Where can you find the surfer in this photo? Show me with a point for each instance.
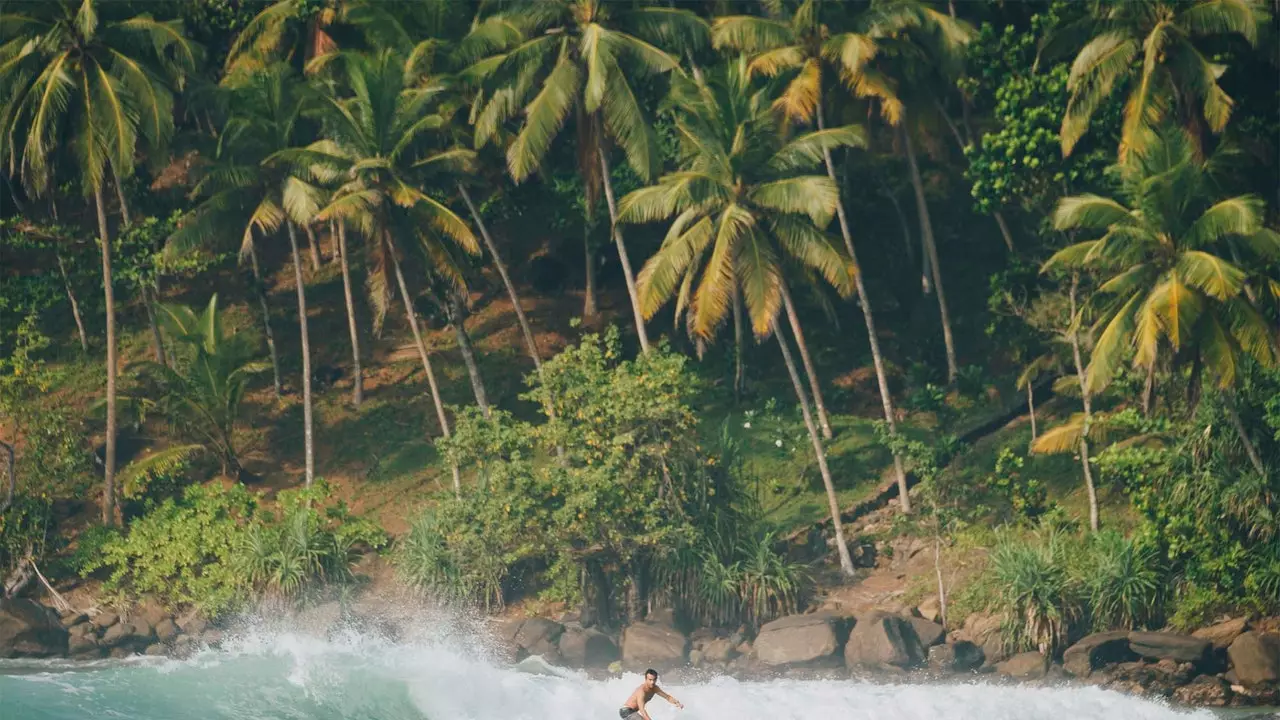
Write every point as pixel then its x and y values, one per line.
pixel 634 706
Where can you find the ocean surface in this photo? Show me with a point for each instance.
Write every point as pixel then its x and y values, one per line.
pixel 439 674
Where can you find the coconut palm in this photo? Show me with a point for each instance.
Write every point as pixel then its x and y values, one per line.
pixel 1151 46
pixel 577 59
pixel 98 80
pixel 744 206
pixel 378 149
pixel 803 49
pixel 1163 251
pixel 251 189
pixel 300 32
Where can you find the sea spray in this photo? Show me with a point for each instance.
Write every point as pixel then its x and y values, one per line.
pixel 439 668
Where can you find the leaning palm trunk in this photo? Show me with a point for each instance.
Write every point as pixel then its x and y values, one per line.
pixel 814 386
pixel 738 370
pixel 846 562
pixel 357 384
pixel 931 249
pixel 1031 408
pixel 868 318
pixel 75 306
pixel 622 253
pixel 307 438
pixel 259 289
pixel 1249 448
pixel 1088 407
pixel 109 469
pixel 589 306
pixel 459 317
pixel 530 344
pixel 314 246
pixel 426 360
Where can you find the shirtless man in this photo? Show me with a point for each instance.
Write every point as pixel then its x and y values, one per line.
pixel 634 707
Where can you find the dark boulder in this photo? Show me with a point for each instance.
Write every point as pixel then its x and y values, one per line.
pixel 1170 646
pixel 587 648
pixel 28 629
pixel 1024 666
pixel 880 640
pixel 1097 651
pixel 960 656
pixel 656 644
pixel 1255 659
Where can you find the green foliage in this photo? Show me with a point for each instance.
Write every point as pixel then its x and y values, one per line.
pixel 1026 496
pixel 1035 590
pixel 201 394
pixel 1054 586
pixel 1124 580
pixel 1021 162
pixel 307 546
pixel 182 551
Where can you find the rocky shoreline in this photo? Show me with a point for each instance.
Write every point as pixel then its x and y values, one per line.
pixel 1231 664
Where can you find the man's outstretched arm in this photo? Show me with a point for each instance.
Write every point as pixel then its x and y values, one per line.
pixel 669 699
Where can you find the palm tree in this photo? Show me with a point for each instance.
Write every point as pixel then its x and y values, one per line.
pixel 1169 287
pixel 801 48
pixel 742 196
pixel 300 32
pixel 1174 79
pixel 101 81
pixel 251 188
pixel 577 58
pixel 379 137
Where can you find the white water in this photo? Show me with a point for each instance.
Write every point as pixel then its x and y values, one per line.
pixel 281 675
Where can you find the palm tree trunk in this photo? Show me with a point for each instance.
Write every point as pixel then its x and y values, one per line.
pixel 109 469
pixel 11 472
pixel 622 252
pixel 426 360
pixel 926 231
pixel 260 290
pixel 1004 230
pixel 846 562
pixel 308 440
pixel 75 306
pixel 814 386
pixel 1249 448
pixel 738 374
pixel 1088 407
pixel 340 249
pixel 589 306
pixel 1148 389
pixel 1031 407
pixel 530 344
pixel 868 318
pixel 459 317
pixel 314 246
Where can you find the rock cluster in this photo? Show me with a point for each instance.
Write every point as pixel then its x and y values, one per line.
pixel 28 629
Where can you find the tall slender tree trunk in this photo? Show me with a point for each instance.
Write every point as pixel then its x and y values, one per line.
pixel 1031 408
pixel 622 251
pixel 109 467
pixel 1088 406
pixel 814 386
pixel 926 231
pixel 738 373
pixel 421 344
pixel 340 250
pixel 314 246
pixel 1249 448
pixel 307 437
pixel 1148 389
pixel 458 316
pixel 11 472
pixel 259 289
pixel 530 344
pixel 590 308
pixel 868 318
pixel 846 562
pixel 75 306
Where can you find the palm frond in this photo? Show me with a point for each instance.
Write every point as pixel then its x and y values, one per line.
pixel 809 150
pixel 749 34
pixel 1210 274
pixel 544 117
pixel 813 195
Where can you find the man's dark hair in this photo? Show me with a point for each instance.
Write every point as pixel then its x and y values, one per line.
pixel 652 672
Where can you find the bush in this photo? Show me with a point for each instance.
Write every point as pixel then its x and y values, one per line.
pixel 1037 594
pixel 182 551
pixel 1125 582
